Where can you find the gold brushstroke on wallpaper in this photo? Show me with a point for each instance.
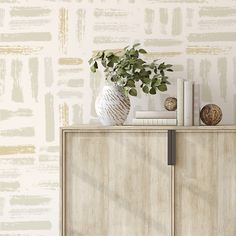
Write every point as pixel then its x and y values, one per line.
pixel 69 61
pixel 64 114
pixel 193 50
pixel 63 29
pixel 19 149
pixel 222 72
pixel 19 50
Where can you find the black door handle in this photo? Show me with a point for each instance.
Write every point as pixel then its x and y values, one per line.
pixel 171 147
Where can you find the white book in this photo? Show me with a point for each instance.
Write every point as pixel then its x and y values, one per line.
pixel 188 103
pixel 196 104
pixel 155 114
pixel 154 122
pixel 180 102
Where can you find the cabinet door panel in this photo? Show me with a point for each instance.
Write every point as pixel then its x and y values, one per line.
pixel 117 184
pixel 205 184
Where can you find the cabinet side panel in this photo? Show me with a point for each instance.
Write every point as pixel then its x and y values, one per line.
pixel 205 184
pixel 117 184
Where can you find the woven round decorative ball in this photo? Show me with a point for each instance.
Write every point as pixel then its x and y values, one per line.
pixel 211 114
pixel 170 104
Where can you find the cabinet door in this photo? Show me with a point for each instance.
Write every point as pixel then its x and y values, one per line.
pixel 116 184
pixel 205 184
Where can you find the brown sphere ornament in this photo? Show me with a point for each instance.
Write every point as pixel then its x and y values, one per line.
pixel 170 104
pixel 211 114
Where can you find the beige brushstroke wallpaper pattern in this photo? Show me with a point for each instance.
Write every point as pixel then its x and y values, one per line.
pixel 45 82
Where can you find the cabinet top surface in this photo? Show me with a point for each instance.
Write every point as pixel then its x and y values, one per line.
pixel 148 128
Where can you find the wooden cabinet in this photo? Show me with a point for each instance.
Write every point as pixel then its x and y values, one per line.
pixel 116 182
pixel 205 184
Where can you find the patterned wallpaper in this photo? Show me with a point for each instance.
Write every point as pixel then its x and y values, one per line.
pixel 45 82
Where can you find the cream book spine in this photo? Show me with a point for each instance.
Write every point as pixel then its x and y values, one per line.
pixel 180 102
pixel 154 122
pixel 188 103
pixel 196 104
pixel 155 114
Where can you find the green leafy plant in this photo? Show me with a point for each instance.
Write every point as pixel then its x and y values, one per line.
pixel 127 69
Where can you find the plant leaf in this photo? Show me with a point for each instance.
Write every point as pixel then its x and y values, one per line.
pixel 158 82
pixel 104 62
pixel 142 51
pixel 109 54
pixel 162 87
pixel 152 91
pixel 136 45
pixel 145 89
pixel 133 92
pixel 130 83
pixel 93 69
pixel 168 66
pixel 145 80
pixel 90 61
pixel 110 64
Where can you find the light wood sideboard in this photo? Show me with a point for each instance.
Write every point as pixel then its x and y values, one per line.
pixel 121 181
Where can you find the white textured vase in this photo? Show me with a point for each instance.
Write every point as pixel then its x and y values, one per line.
pixel 112 106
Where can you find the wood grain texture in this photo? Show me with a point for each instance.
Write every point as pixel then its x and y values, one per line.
pixel 205 184
pixel 116 184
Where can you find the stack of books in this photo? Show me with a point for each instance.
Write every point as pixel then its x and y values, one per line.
pixel 188 108
pixel 155 118
pixel 188 103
